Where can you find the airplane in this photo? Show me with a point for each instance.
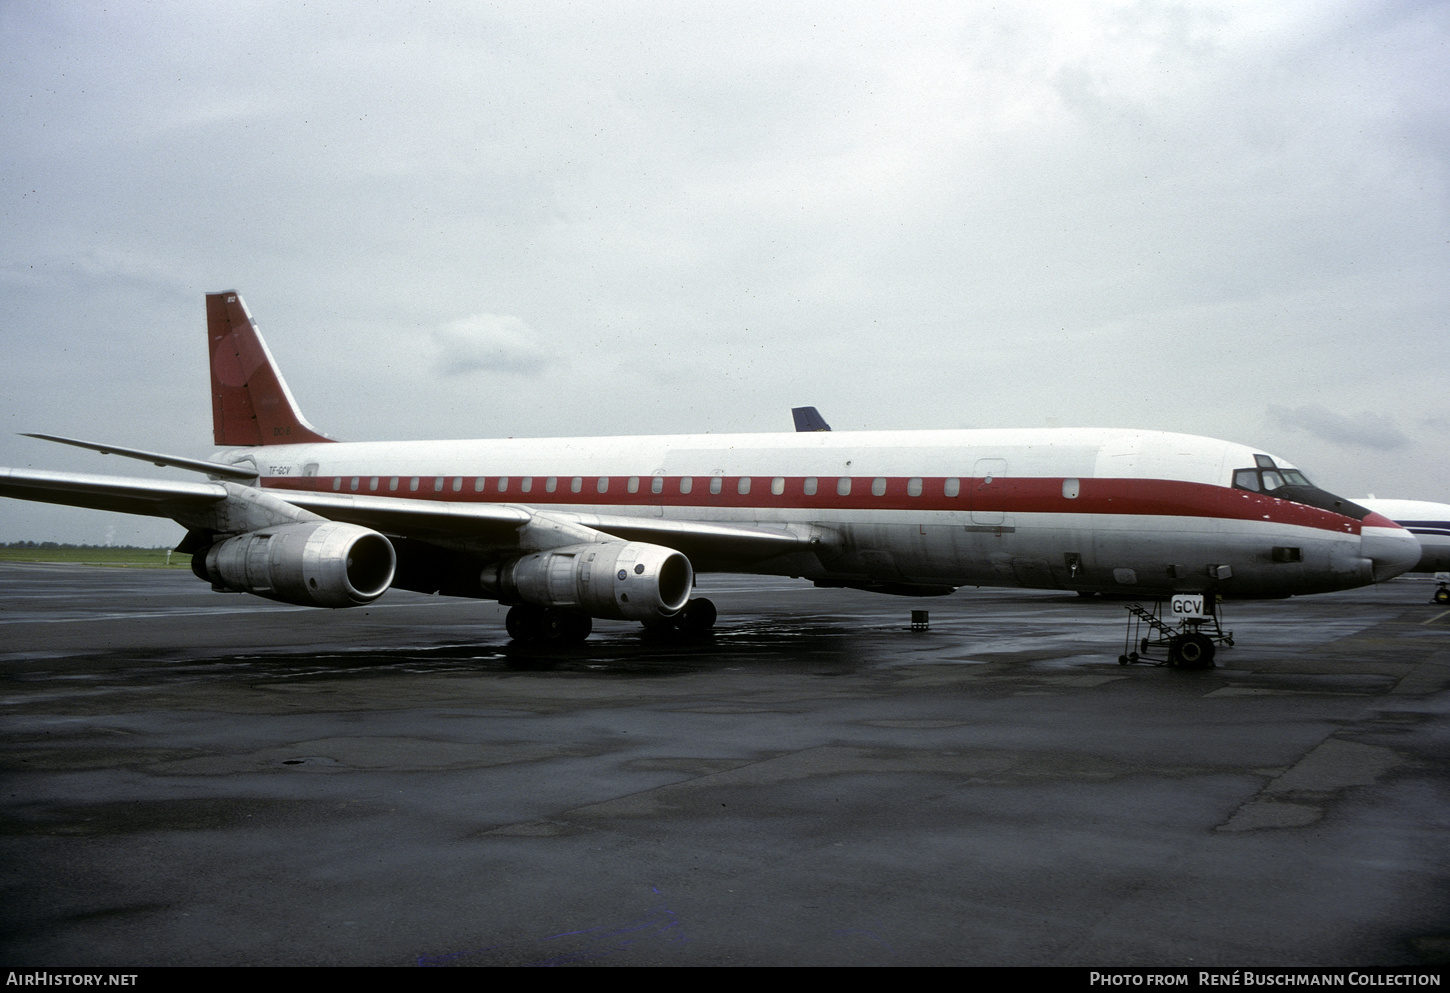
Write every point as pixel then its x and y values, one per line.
pixel 1430 524
pixel 567 530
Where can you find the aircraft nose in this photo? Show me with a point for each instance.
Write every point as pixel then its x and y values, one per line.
pixel 1390 549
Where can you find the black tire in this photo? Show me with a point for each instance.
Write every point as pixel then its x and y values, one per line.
pixel 1192 651
pixel 526 623
pixel 698 616
pixel 1442 595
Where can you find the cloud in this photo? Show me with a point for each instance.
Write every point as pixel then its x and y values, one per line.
pixel 1365 430
pixel 489 343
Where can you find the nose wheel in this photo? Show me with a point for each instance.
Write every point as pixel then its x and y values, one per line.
pixel 1190 643
pixel 1442 595
pixel 1191 651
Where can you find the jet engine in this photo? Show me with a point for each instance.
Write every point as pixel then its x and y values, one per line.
pixel 313 564
pixel 623 580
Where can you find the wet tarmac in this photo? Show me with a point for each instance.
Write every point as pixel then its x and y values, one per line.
pixel 201 778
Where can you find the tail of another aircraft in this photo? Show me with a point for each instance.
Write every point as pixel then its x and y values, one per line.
pixel 250 401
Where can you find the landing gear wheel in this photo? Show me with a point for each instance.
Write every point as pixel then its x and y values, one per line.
pixel 563 627
pixel 524 623
pixel 1442 595
pixel 528 624
pixel 697 617
pixel 693 620
pixel 1191 651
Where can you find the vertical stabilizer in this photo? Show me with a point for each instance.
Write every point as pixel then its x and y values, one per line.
pixel 250 401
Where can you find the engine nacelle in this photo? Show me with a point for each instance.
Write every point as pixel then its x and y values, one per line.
pixel 623 580
pixel 315 564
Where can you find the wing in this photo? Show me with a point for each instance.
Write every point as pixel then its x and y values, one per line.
pixel 148 497
pixel 479 528
pixel 494 527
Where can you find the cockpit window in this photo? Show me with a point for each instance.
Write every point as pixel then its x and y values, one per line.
pixel 1262 480
pixel 1291 485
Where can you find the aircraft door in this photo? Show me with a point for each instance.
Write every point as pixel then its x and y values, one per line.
pixel 987 498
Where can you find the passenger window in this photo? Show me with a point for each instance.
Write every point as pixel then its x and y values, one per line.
pixel 437 484
pixel 503 483
pixel 576 484
pixel 951 487
pixel 843 486
pixel 353 485
pixel 414 484
pixel 913 486
pixel 633 484
pixel 878 486
pixel 716 484
pixel 657 484
pixel 777 485
pixel 686 484
pixel 373 484
pixel 337 482
pixel 603 485
pixel 809 486
pixel 393 483
pixel 457 483
pixel 478 484
pixel 551 484
pixel 743 486
pixel 526 484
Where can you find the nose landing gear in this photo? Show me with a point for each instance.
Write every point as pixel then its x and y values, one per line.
pixel 1191 643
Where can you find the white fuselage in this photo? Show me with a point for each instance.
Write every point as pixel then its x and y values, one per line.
pixel 1085 509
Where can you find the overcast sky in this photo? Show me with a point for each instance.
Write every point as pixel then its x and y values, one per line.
pixel 489 219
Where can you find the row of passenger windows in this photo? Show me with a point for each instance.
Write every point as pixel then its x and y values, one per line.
pixel 810 485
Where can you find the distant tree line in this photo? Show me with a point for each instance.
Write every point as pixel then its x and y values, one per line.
pixel 49 545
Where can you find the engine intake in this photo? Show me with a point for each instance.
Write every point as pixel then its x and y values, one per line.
pixel 324 564
pixel 623 580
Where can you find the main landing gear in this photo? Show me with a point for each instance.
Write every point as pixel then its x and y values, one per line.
pixel 1190 644
pixel 531 625
pixel 693 620
pixel 551 626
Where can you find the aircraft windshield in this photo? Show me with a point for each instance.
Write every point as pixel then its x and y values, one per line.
pixel 1269 480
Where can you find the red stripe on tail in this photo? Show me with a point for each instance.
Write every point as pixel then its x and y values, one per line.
pixel 250 402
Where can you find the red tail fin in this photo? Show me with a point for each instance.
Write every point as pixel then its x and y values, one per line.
pixel 250 401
